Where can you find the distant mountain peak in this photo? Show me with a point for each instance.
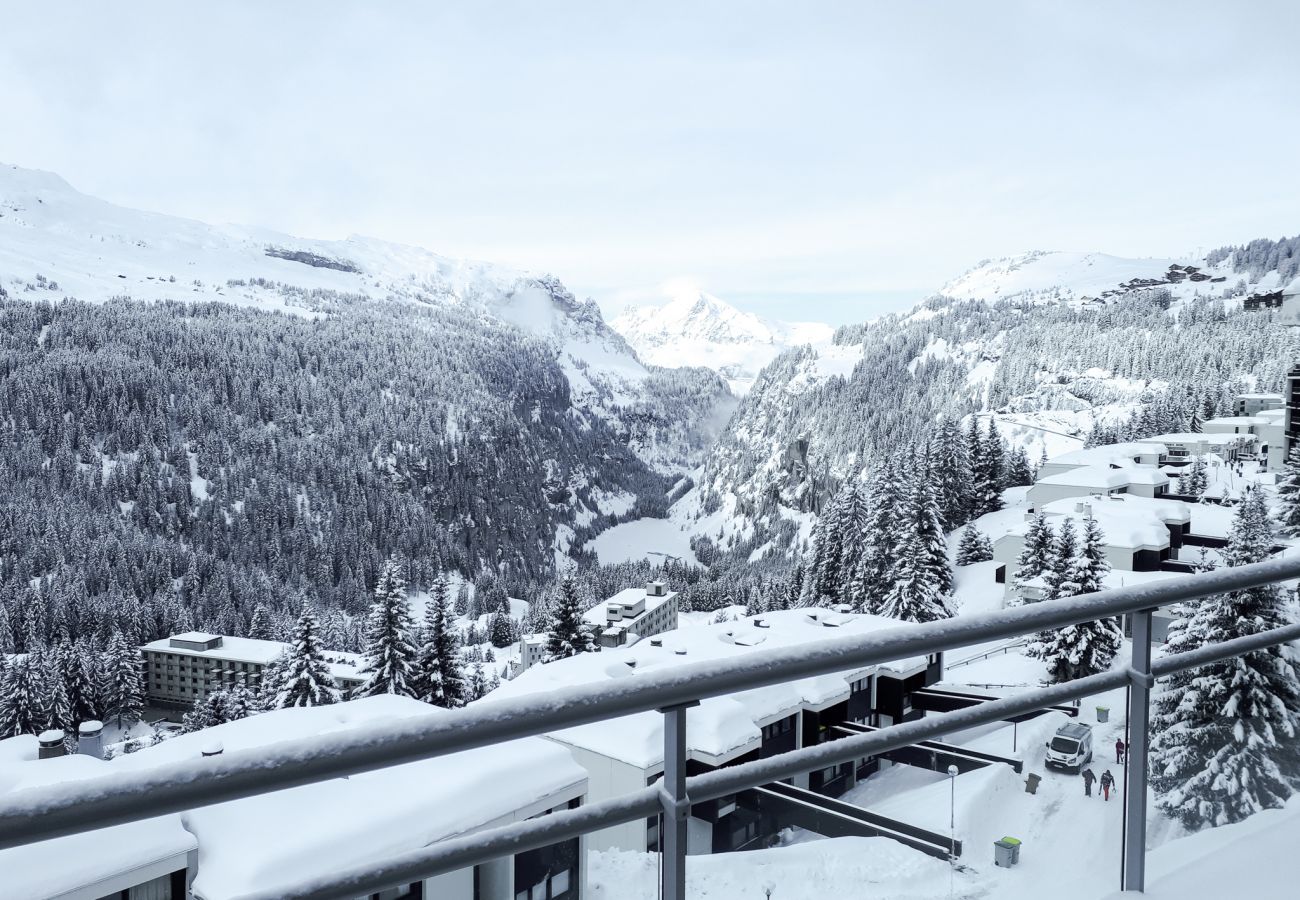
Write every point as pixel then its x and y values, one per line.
pixel 696 328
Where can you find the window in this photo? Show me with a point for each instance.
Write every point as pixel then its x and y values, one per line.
pixel 560 882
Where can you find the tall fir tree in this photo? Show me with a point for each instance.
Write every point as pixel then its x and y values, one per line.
pixel 873 572
pixel 122 689
pixel 305 679
pixel 1225 734
pixel 440 677
pixel 922 579
pixel 569 634
pixel 1057 577
pixel 951 474
pixel 1077 651
pixel 826 566
pixel 389 653
pixel 1036 556
pixel 22 698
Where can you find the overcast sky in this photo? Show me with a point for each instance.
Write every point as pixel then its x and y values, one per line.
pixel 805 160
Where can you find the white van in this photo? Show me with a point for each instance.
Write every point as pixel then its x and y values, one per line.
pixel 1070 747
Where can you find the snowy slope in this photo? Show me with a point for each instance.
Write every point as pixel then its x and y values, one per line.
pixel 1046 276
pixel 56 242
pixel 698 329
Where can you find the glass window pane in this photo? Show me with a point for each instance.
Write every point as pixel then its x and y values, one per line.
pixel 559 883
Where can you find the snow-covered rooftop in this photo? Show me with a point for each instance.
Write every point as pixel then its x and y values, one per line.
pixel 263 842
pixel 719 727
pixel 1193 437
pixel 60 866
pixel 1091 477
pixel 1118 455
pixel 1240 421
pixel 1125 520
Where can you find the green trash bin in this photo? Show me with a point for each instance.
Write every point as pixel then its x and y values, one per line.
pixel 1006 852
pixel 1103 714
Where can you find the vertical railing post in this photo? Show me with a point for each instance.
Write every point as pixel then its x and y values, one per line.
pixel 677 807
pixel 1135 788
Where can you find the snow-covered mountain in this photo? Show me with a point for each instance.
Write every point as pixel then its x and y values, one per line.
pixel 695 328
pixel 1050 344
pixel 56 242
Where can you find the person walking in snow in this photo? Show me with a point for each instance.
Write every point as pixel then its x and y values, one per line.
pixel 1107 782
pixel 1088 779
pixel 1120 747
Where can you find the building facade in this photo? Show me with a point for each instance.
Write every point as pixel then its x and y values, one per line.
pixel 183 669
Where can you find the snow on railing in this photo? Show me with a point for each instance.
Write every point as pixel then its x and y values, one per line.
pixel 51 811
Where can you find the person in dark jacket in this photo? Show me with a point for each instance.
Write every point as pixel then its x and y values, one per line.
pixel 1107 782
pixel 1088 779
pixel 1120 747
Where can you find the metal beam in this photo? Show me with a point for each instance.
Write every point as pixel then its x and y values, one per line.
pixel 461 852
pixel 677 807
pixel 1135 791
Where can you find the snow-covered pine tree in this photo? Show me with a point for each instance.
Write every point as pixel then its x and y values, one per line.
pixel 950 474
pixel 873 573
pixel 260 627
pixel 22 698
pixel 218 708
pixel 988 465
pixel 569 634
pixel 440 678
pixel 922 580
pixel 1019 472
pixel 1198 480
pixel 501 627
pixel 1224 734
pixel 1036 556
pixel 1057 577
pixel 389 654
pixel 973 547
pixel 122 691
pixel 1077 651
pixel 305 679
pixel 826 566
pixel 1288 494
pixel 478 686
pixel 7 642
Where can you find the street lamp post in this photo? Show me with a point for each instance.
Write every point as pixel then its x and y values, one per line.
pixel 952 831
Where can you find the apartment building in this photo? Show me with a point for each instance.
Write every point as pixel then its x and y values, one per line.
pixel 725 731
pixel 1183 447
pixel 633 614
pixel 1254 404
pixel 183 669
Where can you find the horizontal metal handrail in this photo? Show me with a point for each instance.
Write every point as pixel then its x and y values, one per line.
pixel 51 811
pixel 481 846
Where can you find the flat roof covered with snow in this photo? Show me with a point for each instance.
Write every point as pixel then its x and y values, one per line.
pixel 627 597
pixel 719 727
pixel 266 842
pixel 62 865
pixel 1105 455
pixel 1125 521
pixel 1195 437
pixel 1091 477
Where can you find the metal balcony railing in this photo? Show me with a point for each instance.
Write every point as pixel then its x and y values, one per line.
pixel 48 812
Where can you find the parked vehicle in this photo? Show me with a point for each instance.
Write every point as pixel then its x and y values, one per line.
pixel 1070 747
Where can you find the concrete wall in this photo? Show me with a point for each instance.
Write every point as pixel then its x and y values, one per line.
pixel 608 778
pixel 1040 493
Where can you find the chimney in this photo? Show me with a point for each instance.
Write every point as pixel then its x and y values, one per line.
pixel 656 642
pixel 90 739
pixel 680 651
pixel 211 748
pixel 51 744
pixel 1078 506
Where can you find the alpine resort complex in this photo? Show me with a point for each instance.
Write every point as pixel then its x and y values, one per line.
pixel 725 451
